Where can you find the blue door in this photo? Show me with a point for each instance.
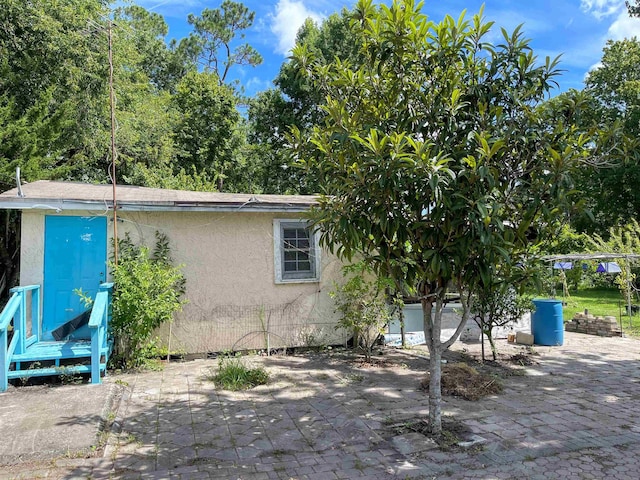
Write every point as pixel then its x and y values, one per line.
pixel 75 256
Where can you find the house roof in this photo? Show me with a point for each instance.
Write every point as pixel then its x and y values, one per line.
pixel 49 195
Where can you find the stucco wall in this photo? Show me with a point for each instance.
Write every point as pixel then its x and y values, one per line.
pixel 228 258
pixel 32 248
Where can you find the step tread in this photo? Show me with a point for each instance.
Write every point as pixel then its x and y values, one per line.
pixel 52 371
pixel 52 350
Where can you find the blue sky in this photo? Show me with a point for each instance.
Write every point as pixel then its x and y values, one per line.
pixel 577 29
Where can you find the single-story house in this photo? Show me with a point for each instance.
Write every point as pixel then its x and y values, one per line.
pixel 255 274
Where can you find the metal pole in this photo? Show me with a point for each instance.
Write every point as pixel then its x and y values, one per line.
pixel 113 146
pixel 628 272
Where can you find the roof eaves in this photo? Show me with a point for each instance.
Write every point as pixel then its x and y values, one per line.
pixel 155 206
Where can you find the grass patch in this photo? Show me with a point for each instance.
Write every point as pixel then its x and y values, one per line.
pixel 233 374
pixel 599 302
pixel 602 302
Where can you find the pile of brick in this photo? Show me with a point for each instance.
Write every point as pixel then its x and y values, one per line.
pixel 592 325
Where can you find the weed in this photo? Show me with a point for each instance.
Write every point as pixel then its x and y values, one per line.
pixel 234 375
pixel 358 465
pixel 68 377
pixel 34 366
pixel 122 383
pixel 448 439
pixel 151 364
pixel 353 378
pixel 279 452
pixel 111 416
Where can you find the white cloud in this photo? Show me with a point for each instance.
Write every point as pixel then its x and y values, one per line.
pixel 152 5
pixel 288 18
pixel 624 27
pixel 601 8
pixel 256 84
pixel 593 67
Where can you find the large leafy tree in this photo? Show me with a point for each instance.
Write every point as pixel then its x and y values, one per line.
pixel 633 7
pixel 295 102
pixel 270 116
pixel 207 134
pixel 332 39
pixel 610 104
pixel 50 74
pixel 435 162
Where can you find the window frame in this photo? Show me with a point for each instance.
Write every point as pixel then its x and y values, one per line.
pixel 279 224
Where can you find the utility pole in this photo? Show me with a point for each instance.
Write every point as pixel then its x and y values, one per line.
pixel 113 143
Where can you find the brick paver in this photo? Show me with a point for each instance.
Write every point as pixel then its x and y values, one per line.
pixel 573 414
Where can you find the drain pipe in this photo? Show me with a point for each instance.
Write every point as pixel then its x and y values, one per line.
pixel 20 192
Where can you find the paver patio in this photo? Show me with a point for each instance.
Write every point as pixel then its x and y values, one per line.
pixel 571 415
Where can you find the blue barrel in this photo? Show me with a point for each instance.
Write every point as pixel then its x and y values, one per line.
pixel 547 325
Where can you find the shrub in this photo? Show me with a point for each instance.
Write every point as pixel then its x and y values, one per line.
pixel 233 374
pixel 495 306
pixel 363 305
pixel 148 291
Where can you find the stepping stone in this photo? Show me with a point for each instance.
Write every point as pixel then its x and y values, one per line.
pixel 474 440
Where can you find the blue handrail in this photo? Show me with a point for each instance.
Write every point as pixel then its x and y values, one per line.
pixel 99 327
pixel 16 310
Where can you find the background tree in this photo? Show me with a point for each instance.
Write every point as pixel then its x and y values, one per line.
pixel 624 239
pixel 295 102
pixel 633 7
pixel 206 135
pixel 211 44
pixel 270 115
pixel 433 157
pixel 497 303
pixel 611 108
pixel 50 76
pixel 161 60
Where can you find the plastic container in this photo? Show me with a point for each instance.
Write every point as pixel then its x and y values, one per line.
pixel 547 325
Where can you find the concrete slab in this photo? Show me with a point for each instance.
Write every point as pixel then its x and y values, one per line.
pixel 44 422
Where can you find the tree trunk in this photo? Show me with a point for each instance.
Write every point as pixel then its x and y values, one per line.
pixel 432 330
pixel 492 342
pixel 403 338
pixel 435 390
pixel 432 325
pixel 482 337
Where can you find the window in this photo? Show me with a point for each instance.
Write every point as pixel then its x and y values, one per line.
pixel 296 252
